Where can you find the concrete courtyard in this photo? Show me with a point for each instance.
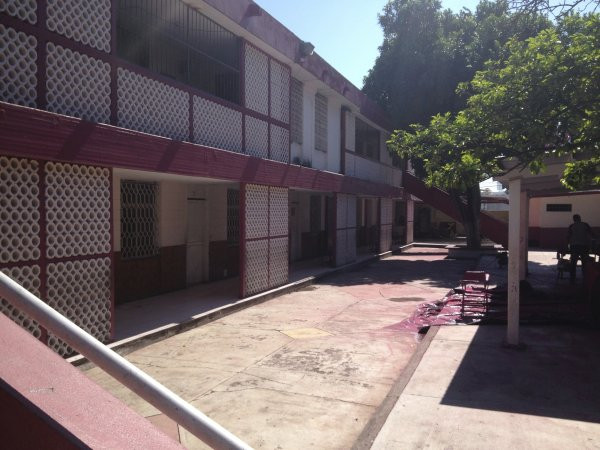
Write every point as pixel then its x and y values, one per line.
pixel 328 367
pixel 307 369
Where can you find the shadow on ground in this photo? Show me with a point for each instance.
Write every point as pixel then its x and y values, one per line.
pixel 555 375
pixel 433 269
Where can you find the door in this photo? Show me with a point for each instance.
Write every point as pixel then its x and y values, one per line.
pixel 197 245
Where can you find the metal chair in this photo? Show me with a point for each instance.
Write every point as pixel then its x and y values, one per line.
pixel 475 292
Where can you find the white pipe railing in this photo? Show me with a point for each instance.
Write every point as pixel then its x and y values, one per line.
pixel 122 370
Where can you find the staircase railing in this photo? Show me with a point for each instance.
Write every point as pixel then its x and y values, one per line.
pixel 122 370
pixel 492 228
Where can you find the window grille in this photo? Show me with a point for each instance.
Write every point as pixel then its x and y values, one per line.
pixel 233 216
pixel 174 40
pixel 366 140
pixel 139 219
pixel 558 207
pixel 321 122
pixel 296 119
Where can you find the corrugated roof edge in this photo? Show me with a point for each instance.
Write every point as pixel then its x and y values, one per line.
pixel 276 35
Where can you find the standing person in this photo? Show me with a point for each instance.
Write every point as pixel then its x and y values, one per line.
pixel 580 236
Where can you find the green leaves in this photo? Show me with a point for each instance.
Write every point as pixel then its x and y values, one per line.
pixel 541 100
pixel 428 51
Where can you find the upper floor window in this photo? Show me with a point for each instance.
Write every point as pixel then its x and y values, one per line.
pixel 174 40
pixel 296 120
pixel 366 140
pixel 321 122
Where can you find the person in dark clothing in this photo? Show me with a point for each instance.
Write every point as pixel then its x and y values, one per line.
pixel 580 237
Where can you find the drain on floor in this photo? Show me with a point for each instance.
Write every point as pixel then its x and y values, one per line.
pixel 407 299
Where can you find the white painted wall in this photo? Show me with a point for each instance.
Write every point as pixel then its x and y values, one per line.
pixel 172 213
pixel 587 206
pixel 217 201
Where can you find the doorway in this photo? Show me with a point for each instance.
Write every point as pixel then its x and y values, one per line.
pixel 197 241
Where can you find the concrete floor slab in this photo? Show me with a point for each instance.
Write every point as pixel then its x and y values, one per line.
pixel 219 345
pixel 364 358
pixel 263 417
pixel 469 391
pixel 305 333
pixel 437 368
pixel 275 391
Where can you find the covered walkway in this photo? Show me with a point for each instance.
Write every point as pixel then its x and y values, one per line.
pixel 135 320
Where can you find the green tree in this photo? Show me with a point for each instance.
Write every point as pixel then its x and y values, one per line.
pixel 427 52
pixel 540 99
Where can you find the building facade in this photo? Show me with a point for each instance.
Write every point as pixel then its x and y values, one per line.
pixel 149 146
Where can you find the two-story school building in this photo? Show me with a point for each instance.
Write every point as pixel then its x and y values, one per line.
pixel 146 146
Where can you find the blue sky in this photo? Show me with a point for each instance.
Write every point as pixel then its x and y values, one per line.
pixel 344 32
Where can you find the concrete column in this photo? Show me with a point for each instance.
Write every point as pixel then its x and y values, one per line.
pixel 514 260
pixel 524 235
pixel 410 219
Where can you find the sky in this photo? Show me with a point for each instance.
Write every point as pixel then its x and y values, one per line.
pixel 344 32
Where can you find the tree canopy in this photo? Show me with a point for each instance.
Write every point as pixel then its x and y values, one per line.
pixel 428 51
pixel 539 99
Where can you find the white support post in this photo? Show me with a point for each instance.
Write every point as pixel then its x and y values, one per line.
pixel 514 261
pixel 524 237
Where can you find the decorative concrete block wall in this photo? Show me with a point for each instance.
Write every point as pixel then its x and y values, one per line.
pixel 18 67
pixel 216 125
pixel 21 9
pixel 280 78
pixel 77 85
pixel 151 106
pixel 265 237
pixel 55 239
pixel 386 219
pixel 256 81
pixel 81 20
pixel 257 137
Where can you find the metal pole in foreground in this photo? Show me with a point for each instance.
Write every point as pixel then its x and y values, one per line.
pixel 122 370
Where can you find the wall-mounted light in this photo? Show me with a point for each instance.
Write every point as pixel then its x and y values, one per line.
pixel 306 49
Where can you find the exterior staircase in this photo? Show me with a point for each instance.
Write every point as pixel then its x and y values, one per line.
pixel 492 228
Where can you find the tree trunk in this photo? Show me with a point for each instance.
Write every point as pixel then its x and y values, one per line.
pixel 469 213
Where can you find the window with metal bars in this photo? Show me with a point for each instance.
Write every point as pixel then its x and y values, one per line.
pixel 321 122
pixel 174 40
pixel 296 117
pixel 366 140
pixel 139 219
pixel 233 216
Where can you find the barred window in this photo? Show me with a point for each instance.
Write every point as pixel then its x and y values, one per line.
pixel 321 122
pixel 139 219
pixel 233 216
pixel 174 40
pixel 366 140
pixel 296 119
